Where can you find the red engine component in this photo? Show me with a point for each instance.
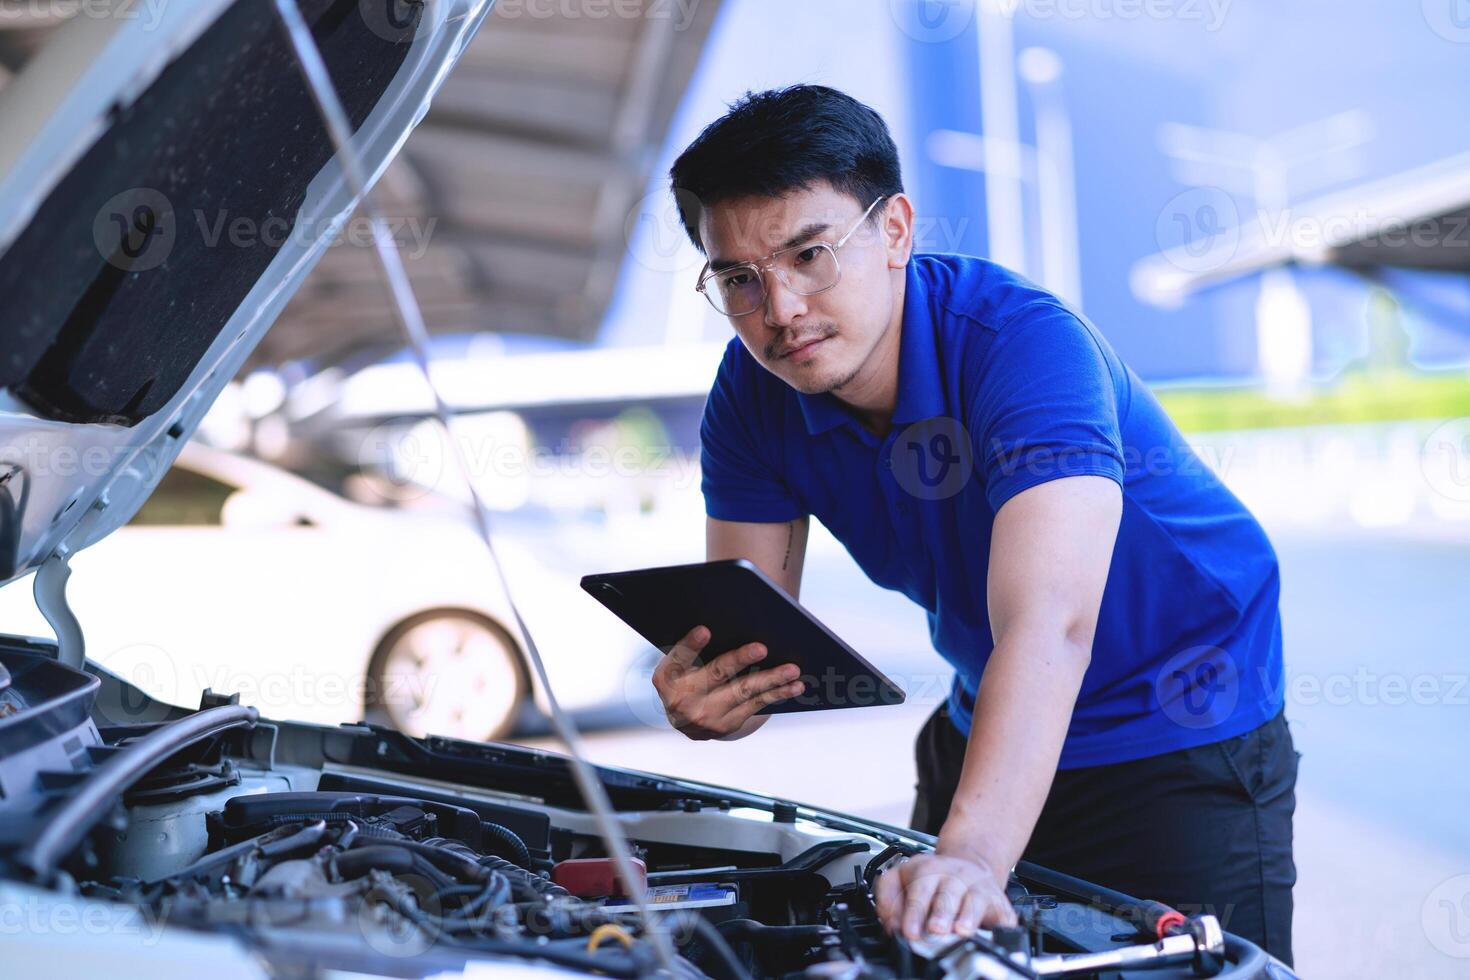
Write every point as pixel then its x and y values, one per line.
pixel 593 877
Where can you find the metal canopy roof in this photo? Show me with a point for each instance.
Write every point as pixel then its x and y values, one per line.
pixel 1415 220
pixel 510 199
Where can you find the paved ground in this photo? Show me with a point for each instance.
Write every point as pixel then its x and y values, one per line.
pixel 1376 630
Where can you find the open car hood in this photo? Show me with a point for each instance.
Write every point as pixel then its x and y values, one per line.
pixel 165 186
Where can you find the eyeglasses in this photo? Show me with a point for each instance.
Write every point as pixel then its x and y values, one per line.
pixel 804 269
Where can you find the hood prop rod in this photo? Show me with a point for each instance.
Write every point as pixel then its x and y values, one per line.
pixel 410 319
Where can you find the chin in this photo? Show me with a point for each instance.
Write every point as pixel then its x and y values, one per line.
pixel 818 376
pixel 811 379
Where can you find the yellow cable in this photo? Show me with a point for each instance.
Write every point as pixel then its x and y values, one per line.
pixel 605 930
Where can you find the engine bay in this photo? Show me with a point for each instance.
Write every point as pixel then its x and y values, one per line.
pixel 409 876
pixel 361 849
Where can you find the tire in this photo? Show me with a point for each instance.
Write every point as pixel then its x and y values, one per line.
pixel 447 672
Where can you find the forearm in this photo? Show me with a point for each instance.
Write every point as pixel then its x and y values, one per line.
pixel 1022 712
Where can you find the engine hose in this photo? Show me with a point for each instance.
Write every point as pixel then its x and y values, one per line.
pixel 445 859
pixel 749 930
pixel 612 963
pixel 730 967
pixel 378 832
pixel 1152 919
pixel 495 894
pixel 509 843
pixel 359 861
pixel 334 818
pixel 309 836
pixel 537 884
pixel 533 886
pixel 92 799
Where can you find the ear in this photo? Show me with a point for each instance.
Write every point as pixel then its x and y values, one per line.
pixel 897 228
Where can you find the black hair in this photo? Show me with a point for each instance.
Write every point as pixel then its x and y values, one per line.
pixel 771 143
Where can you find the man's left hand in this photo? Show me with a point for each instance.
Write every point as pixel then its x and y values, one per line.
pixel 939 894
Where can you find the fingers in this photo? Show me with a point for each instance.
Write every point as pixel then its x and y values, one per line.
pixel 723 668
pixel 744 696
pixel 679 661
pixel 699 699
pixel 945 905
pixel 938 895
pixel 688 649
pixel 916 896
pixel 998 911
pixel 983 909
pixel 888 897
pixel 972 909
pixel 716 698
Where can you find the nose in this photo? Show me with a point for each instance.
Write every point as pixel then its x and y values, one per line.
pixel 782 305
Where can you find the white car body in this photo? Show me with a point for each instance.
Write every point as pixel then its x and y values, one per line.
pixel 292 589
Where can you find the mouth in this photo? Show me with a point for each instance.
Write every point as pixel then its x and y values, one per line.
pixel 803 351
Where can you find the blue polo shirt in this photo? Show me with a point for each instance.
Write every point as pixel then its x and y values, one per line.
pixel 1002 387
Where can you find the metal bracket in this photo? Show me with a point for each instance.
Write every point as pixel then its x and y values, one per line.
pixel 50 592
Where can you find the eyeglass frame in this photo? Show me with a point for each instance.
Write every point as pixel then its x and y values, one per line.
pixel 765 264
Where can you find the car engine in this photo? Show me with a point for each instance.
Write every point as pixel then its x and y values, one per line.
pixel 361 849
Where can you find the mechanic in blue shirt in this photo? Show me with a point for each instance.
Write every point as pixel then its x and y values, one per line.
pixel 1109 607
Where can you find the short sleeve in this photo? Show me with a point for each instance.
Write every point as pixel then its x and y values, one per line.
pixel 737 477
pixel 1048 406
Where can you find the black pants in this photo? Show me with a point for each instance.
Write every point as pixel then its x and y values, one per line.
pixel 1206 829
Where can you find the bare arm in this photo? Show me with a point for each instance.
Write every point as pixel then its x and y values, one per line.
pixel 709 701
pixel 776 549
pixel 1049 558
pixel 1051 546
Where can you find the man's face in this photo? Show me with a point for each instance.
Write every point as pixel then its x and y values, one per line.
pixel 820 342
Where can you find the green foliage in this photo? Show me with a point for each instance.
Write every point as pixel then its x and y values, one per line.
pixel 1360 397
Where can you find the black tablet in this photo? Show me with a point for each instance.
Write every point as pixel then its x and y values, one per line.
pixel 739 605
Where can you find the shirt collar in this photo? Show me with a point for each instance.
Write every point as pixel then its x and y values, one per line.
pixel 919 395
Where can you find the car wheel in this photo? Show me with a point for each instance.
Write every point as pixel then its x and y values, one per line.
pixel 447 673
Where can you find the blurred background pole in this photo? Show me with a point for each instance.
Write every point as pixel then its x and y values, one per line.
pixel 1003 211
pixel 1056 195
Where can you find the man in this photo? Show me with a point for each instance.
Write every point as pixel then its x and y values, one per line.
pixel 1110 609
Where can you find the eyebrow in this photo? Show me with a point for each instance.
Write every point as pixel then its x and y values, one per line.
pixel 806 233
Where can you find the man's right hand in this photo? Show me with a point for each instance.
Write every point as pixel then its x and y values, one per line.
pixel 709 701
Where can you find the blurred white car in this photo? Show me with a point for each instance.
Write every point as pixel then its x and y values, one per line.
pixel 309 604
